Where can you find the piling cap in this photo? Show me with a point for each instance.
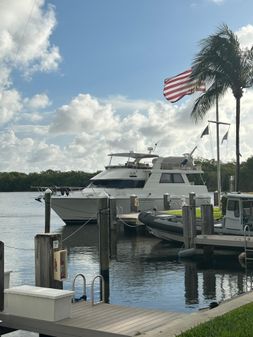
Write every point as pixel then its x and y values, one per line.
pixel 48 191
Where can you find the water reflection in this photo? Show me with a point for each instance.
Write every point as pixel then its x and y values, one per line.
pixel 147 272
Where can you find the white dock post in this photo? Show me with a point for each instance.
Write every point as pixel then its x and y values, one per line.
pixel 134 203
pixel 166 201
pixel 216 201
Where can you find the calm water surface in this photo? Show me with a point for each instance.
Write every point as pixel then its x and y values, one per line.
pixel 146 272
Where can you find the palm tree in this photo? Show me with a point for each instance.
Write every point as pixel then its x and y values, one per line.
pixel 223 64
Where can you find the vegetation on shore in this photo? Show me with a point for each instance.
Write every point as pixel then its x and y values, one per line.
pixel 17 181
pixel 236 323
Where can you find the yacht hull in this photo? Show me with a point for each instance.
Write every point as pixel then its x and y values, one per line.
pixel 79 210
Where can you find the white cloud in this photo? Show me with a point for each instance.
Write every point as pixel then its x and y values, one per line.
pixel 84 113
pixel 38 101
pixel 94 129
pixel 25 30
pixel 245 35
pixel 10 105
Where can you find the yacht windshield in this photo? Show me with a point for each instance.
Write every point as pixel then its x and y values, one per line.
pixel 116 183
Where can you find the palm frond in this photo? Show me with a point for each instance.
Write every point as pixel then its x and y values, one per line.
pixel 207 100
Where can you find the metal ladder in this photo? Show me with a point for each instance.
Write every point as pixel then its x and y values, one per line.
pixel 84 295
pixel 247 258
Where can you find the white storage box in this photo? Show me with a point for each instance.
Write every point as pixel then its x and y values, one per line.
pixel 39 303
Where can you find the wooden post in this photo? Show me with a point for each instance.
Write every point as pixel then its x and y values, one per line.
pixel 186 231
pixel 192 222
pixel 1 276
pixel 47 196
pixel 207 219
pixel 45 246
pixel 113 228
pixel 134 203
pixel 104 245
pixel 216 198
pixel 207 227
pixel 166 201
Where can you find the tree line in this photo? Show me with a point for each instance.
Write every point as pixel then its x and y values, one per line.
pixel 227 170
pixel 17 181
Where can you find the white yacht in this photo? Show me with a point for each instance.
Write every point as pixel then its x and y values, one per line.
pixel 146 175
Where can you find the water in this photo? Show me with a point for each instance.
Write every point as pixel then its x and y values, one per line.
pixel 146 272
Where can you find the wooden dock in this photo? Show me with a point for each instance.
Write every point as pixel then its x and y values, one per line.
pixel 107 320
pixel 101 320
pixel 216 240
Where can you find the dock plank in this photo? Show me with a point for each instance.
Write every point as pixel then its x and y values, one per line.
pixel 102 320
pixel 118 319
pixel 224 240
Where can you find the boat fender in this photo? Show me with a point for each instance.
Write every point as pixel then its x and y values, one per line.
pixel 242 259
pixel 213 305
pixel 82 298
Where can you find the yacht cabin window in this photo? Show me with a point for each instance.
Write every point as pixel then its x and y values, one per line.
pixel 170 178
pixel 117 183
pixel 195 179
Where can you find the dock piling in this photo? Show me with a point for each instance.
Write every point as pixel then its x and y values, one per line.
pixel 47 197
pixel 207 227
pixel 104 242
pixel 113 228
pixel 1 276
pixel 192 219
pixel 186 228
pixel 45 246
pixel 207 219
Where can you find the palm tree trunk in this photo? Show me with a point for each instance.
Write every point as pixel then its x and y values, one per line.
pixel 237 168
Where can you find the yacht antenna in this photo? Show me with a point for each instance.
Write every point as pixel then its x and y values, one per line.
pixel 150 149
pixel 155 146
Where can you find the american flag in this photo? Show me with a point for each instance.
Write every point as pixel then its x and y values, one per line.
pixel 180 85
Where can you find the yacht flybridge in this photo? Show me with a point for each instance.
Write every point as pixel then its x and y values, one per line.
pixel 146 175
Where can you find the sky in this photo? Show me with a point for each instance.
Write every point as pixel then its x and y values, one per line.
pixel 81 79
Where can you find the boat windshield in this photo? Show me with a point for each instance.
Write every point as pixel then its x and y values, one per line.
pixel 116 183
pixel 195 178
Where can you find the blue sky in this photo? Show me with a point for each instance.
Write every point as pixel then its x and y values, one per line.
pixel 82 78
